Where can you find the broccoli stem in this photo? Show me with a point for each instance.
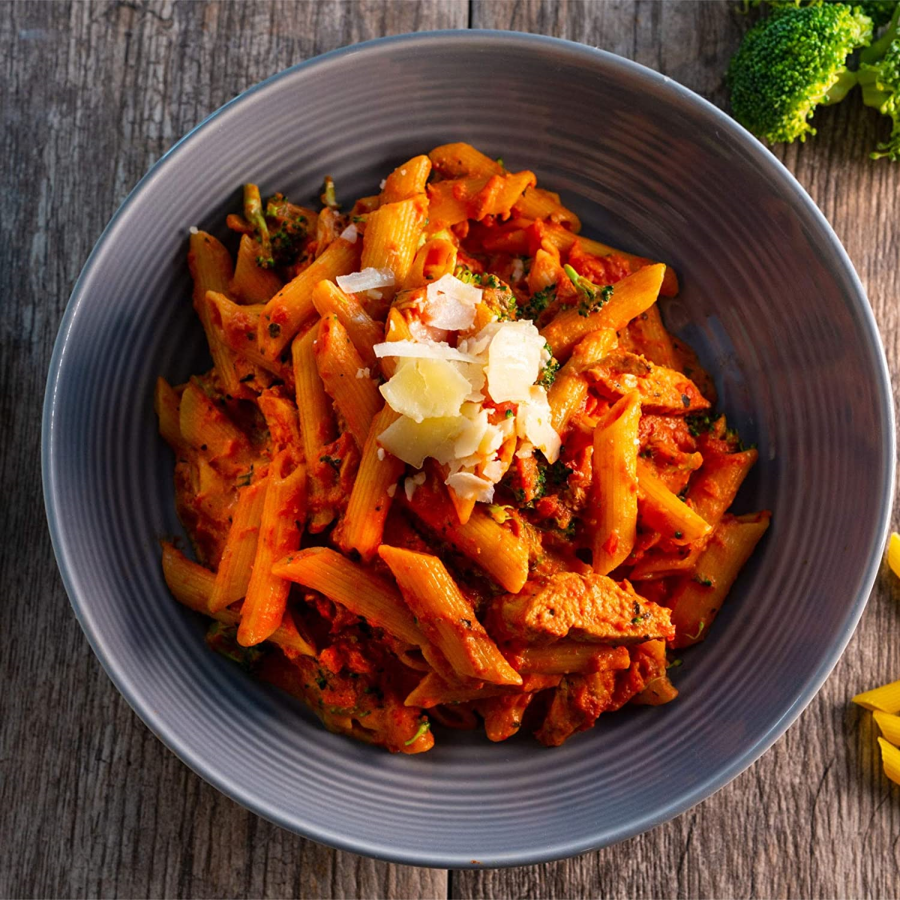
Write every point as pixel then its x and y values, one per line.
pixel 878 48
pixel 253 213
pixel 842 86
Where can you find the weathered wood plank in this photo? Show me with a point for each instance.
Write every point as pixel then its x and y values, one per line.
pixel 814 817
pixel 92 94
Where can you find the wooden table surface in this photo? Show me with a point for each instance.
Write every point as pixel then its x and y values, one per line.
pixel 91 803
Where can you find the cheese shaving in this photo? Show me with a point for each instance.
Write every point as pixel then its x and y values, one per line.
pixel 422 350
pixel 450 303
pixel 350 234
pixel 366 280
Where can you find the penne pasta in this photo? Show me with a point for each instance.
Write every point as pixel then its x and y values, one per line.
pixel 354 587
pixel 343 375
pixel 481 539
pixel 191 585
pixel 446 617
pixel 614 485
pixel 286 312
pixel 392 236
pixel 433 260
pixel 280 529
pixel 885 698
pixel 697 598
pixel 407 180
pixel 364 331
pixel 664 512
pixel 362 528
pixel 252 283
pixel 563 240
pixel 630 297
pixel 233 575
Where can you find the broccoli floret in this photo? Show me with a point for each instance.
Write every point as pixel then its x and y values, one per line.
pixel 791 62
pixel 880 46
pixel 880 83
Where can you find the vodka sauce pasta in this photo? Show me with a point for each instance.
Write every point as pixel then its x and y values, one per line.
pixel 448 464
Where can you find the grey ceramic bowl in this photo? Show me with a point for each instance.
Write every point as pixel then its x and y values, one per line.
pixel 769 298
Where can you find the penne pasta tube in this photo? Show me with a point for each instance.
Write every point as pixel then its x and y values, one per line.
pixel 364 331
pixel 341 369
pixel 407 180
pixel 696 599
pixel 204 426
pixel 362 528
pixel 433 690
pixel 564 657
pixel 630 297
pixel 212 270
pixel 392 236
pixel 233 575
pixel 317 425
pixel 433 260
pixel 454 201
pixel 446 617
pixel 664 512
pixel 614 484
pixel 889 725
pixel 354 587
pixel 286 312
pixel 492 546
pixel 191 585
pixel 563 240
pixel 459 160
pixel 280 529
pixel 166 405
pixel 890 757
pixel 885 698
pixel 252 283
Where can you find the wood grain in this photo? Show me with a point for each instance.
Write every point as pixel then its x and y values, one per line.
pixel 93 805
pixel 92 94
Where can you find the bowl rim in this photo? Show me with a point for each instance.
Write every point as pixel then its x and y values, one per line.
pixel 559 849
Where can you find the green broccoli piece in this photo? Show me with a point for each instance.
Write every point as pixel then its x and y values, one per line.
pixel 879 47
pixel 791 62
pixel 880 83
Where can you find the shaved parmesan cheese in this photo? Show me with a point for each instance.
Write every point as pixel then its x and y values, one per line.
pixel 375 295
pixel 450 303
pixel 367 280
pixel 362 373
pixel 422 350
pixel 494 470
pixel 467 486
pixel 350 234
pixel 412 483
pixel 514 360
pixel 517 270
pixel 392 490
pixel 380 454
pixel 193 229
pixel 534 422
pixel 471 435
pixel 426 389
pixel 413 441
pixel 427 333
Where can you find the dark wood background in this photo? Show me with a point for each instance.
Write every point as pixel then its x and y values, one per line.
pixel 91 804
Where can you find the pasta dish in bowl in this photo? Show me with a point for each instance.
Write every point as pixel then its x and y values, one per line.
pixel 450 534
pixel 449 463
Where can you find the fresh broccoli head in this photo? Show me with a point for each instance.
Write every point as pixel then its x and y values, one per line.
pixel 880 83
pixel 791 62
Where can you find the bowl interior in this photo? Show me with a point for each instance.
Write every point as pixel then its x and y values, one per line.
pixel 769 300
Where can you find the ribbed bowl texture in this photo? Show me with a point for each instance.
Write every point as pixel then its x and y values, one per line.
pixel 769 299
